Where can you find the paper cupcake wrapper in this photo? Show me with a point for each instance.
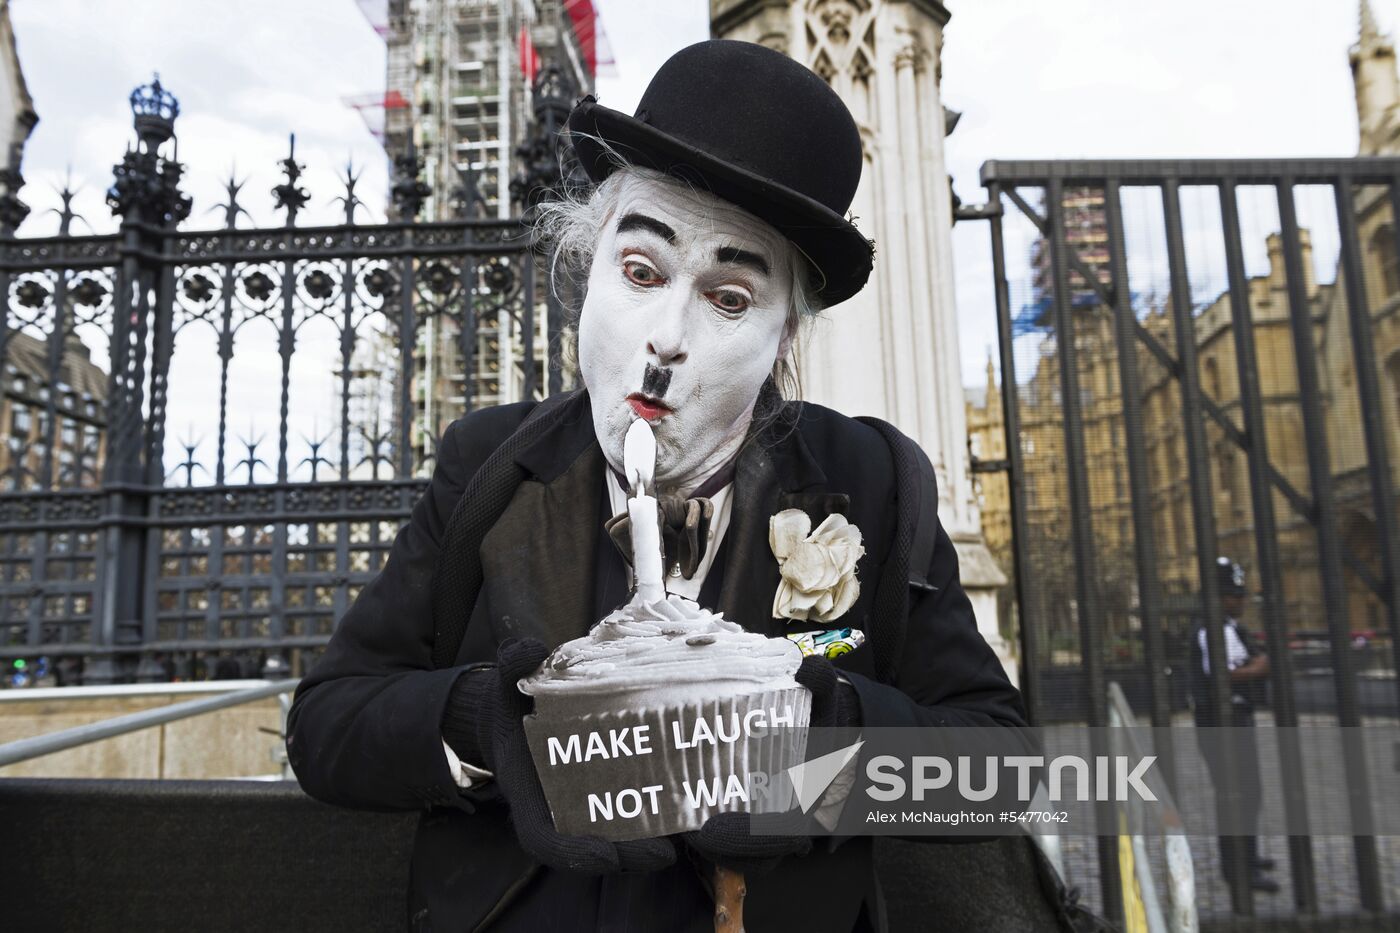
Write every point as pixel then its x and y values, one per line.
pixel 598 782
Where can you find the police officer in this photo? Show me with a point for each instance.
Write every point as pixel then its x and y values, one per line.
pixel 1249 668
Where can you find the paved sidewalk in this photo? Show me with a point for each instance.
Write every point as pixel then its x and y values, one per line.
pixel 1333 856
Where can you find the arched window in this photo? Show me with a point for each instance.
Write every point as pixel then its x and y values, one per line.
pixel 1382 247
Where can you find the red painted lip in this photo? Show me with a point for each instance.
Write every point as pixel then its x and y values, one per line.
pixel 647 408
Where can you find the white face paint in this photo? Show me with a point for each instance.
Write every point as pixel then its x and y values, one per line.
pixel 686 310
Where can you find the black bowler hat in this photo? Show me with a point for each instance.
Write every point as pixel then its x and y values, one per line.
pixel 757 129
pixel 1230 576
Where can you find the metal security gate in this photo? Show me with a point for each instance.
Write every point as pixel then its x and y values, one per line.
pixel 308 351
pixel 1202 359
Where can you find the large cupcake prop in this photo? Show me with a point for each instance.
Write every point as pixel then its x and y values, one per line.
pixel 665 713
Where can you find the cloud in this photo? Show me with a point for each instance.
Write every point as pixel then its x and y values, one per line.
pixel 246 74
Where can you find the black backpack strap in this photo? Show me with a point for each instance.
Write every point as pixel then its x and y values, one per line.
pixel 916 532
pixel 458 576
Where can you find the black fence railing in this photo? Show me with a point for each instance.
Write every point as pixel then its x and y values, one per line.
pixel 308 372
pixel 1202 360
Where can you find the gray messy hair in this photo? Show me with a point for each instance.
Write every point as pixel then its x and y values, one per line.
pixel 570 226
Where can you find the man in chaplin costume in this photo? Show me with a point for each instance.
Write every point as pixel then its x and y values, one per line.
pixel 716 225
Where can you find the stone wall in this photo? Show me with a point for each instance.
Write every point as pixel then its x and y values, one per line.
pixel 227 743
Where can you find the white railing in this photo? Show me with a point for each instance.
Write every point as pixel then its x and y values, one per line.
pixel 229 693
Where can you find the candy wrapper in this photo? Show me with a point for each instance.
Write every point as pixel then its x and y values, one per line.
pixel 829 643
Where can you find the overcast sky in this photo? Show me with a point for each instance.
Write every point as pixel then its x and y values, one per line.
pixel 1070 79
pixel 246 73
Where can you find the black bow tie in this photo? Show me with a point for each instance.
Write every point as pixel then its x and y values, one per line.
pixel 685 532
pixel 685 523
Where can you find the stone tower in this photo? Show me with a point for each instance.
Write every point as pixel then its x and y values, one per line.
pixel 892 350
pixel 1377 87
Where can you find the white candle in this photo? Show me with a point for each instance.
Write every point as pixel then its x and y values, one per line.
pixel 639 463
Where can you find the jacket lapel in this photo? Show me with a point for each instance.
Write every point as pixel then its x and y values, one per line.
pixel 750 572
pixel 772 466
pixel 539 558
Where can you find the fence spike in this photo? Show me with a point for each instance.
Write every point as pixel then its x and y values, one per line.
pixel 350 200
pixel 290 196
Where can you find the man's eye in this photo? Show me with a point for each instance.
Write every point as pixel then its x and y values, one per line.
pixel 729 302
pixel 641 273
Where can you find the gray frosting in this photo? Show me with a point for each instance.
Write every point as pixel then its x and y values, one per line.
pixel 662 644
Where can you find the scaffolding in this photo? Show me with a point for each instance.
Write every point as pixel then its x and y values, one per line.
pixel 464 69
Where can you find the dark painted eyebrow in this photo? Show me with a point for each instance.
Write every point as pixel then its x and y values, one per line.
pixel 743 257
pixel 636 221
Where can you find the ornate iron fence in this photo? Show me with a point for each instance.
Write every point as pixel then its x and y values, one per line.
pixel 116 564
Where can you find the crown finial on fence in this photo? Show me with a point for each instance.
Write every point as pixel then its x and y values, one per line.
pixel 153 111
pixel 146 185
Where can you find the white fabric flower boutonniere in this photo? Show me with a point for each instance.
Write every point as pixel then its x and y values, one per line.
pixel 818 567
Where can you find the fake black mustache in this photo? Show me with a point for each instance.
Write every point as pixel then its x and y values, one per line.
pixel 655 381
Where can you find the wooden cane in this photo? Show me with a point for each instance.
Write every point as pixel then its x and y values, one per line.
pixel 729 900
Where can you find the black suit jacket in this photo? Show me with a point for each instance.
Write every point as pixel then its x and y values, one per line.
pixel 364 726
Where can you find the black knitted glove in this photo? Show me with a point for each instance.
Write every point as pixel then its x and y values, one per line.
pixel 727 838
pixel 834 702
pixel 483 723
